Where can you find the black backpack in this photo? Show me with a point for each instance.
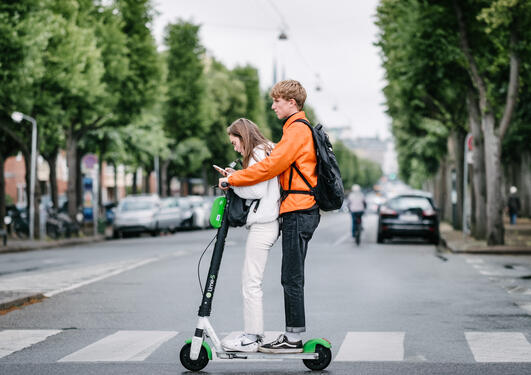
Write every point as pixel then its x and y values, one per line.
pixel 328 192
pixel 239 209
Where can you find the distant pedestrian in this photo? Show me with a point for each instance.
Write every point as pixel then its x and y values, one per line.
pixel 356 206
pixel 513 204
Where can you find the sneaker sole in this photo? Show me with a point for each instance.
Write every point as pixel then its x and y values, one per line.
pixel 280 351
pixel 239 350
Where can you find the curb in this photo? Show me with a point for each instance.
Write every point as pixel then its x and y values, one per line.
pixel 49 245
pixel 495 250
pixel 21 301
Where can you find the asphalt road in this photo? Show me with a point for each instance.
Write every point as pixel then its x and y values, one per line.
pixel 126 306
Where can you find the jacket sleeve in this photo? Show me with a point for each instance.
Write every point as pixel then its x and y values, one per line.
pixel 283 155
pixel 256 191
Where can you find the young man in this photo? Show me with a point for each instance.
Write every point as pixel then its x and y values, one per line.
pixel 299 211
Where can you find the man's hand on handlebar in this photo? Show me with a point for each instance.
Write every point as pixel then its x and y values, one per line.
pixel 223 183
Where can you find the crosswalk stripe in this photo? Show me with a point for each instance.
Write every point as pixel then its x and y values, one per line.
pixel 372 346
pixel 122 346
pixel 499 346
pixel 13 340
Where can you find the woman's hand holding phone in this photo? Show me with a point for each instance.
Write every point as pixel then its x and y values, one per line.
pixel 220 170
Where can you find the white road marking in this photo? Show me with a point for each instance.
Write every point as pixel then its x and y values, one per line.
pixel 499 346
pixel 122 346
pixel 525 306
pixel 474 260
pixel 372 346
pixel 54 282
pixel 12 340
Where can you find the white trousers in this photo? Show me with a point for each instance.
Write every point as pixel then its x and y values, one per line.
pixel 261 238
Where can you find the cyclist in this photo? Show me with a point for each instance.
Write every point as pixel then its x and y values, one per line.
pixel 356 206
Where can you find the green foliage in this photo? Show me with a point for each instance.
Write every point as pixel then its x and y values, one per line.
pixel 225 101
pixel 271 118
pixel 355 170
pixel 185 82
pixel 427 82
pixel 190 155
pixel 255 111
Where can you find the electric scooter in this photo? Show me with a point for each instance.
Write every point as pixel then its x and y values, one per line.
pixel 196 351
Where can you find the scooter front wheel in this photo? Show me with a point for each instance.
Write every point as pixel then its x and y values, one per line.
pixel 190 364
pixel 325 357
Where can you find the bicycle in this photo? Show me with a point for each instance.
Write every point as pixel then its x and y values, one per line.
pixel 359 228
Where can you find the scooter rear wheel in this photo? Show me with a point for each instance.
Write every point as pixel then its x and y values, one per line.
pixel 325 357
pixel 190 364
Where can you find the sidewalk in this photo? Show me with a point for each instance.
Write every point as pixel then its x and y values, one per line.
pixel 16 245
pixel 517 240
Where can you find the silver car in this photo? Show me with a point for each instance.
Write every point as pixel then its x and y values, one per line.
pixel 136 214
pixel 173 214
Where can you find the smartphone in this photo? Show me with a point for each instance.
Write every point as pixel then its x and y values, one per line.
pixel 219 169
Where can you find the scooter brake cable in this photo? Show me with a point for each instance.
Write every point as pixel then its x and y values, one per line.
pixel 199 263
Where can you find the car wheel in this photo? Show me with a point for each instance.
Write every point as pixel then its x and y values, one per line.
pixel 379 237
pixel 435 239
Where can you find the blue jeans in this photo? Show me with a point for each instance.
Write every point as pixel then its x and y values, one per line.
pixel 513 218
pixel 297 231
pixel 355 215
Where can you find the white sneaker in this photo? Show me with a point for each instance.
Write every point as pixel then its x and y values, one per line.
pixel 241 343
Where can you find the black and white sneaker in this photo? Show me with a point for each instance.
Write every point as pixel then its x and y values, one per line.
pixel 281 345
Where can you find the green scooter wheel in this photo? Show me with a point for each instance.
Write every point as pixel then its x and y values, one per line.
pixel 190 364
pixel 325 357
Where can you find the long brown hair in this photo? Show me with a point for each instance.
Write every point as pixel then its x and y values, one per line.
pixel 250 137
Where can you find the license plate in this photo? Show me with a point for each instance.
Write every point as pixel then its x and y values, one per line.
pixel 409 217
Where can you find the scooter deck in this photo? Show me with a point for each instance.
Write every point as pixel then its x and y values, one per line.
pixel 259 355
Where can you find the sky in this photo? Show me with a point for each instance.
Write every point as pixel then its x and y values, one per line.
pixel 330 44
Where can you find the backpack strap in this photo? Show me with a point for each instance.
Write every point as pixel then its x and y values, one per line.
pixel 284 193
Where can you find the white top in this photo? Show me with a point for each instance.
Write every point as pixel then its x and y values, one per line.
pixel 356 201
pixel 267 191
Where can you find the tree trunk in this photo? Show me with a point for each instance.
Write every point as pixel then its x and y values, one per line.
pixel 52 164
pixel 100 183
pixel 79 183
pixel 495 203
pixel 525 188
pixel 164 191
pixel 146 187
pixel 71 160
pixel 134 188
pixel 458 140
pixel 2 192
pixel 479 214
pixel 184 187
pixel 115 177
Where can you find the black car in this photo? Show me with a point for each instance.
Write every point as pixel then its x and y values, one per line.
pixel 408 215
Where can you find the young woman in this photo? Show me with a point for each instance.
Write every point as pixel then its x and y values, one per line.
pixel 263 226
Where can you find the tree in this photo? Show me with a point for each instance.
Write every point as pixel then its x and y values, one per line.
pixel 493 38
pixel 26 28
pixel 224 101
pixel 255 110
pixel 184 114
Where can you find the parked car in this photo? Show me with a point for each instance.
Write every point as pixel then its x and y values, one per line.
pixel 411 215
pixel 174 213
pixel 136 214
pixel 201 206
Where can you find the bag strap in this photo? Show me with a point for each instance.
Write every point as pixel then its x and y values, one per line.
pixel 284 193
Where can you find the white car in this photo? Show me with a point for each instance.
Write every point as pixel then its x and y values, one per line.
pixel 136 214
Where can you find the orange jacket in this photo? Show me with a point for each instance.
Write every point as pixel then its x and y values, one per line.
pixel 296 146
